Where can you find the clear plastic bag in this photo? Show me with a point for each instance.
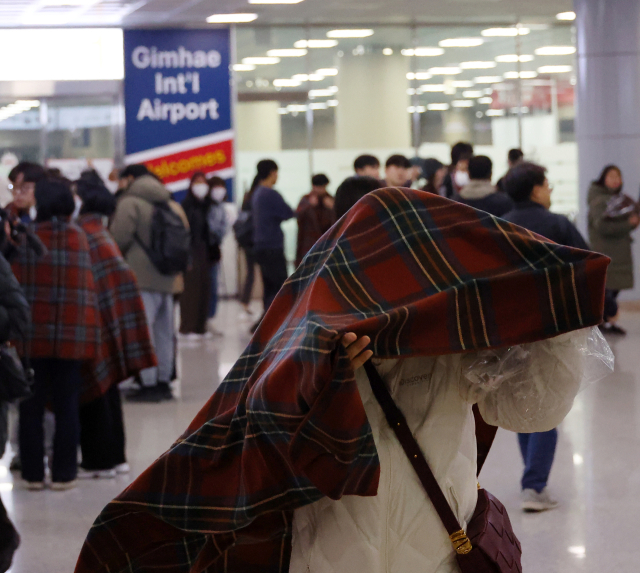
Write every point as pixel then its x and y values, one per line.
pixel 529 383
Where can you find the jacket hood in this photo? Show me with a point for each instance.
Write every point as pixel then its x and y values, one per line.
pixel 477 189
pixel 148 188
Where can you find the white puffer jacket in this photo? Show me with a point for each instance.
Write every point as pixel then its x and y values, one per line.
pixel 398 531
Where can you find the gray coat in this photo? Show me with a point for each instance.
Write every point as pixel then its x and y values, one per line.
pixel 611 237
pixel 132 223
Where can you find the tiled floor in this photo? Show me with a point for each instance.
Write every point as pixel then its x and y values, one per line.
pixel 596 475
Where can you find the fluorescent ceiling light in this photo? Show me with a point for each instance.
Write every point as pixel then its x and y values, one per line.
pixel 424 52
pixel 301 77
pixel 555 51
pixel 350 33
pixel 327 72
pixel 387 52
pixel 486 100
pixel 419 76
pixel 445 71
pixel 505 32
pixel 318 106
pixel 521 75
pixel 283 111
pixel 513 58
pixel 462 84
pixel 315 44
pixel 332 103
pixel 286 83
pixel 411 91
pixel 316 77
pixel 260 61
pixel 297 108
pixel 488 79
pixel 231 18
pixel 566 16
pixel 477 65
pixel 462 103
pixel 287 53
pixel 438 106
pixel 555 69
pixel 433 88
pixel 333 89
pixel 461 43
pixel 321 93
pixel 472 94
pixel 243 67
pixel 494 112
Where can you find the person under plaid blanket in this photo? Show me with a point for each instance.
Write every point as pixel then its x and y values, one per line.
pixel 125 348
pixel 64 332
pixel 416 273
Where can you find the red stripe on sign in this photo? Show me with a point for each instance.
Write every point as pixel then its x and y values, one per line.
pixel 183 165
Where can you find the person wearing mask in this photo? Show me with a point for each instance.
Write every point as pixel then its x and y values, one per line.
pixel 367 166
pixel 24 177
pixel 64 333
pixel 397 172
pixel 125 345
pixel 479 193
pixel 14 323
pixel 195 299
pixel 458 175
pixel 351 191
pixel 434 172
pixel 528 186
pixel 315 215
pixel 610 233
pixel 514 157
pixel 131 228
pixel 269 211
pixel 218 225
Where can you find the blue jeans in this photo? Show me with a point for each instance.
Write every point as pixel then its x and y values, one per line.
pixel 213 297
pixel 158 308
pixel 538 451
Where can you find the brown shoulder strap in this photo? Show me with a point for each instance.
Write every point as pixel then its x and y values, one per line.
pixel 398 424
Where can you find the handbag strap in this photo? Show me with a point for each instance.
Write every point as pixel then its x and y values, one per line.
pixel 398 423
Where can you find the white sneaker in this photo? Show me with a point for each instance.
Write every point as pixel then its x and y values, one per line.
pixel 211 328
pixel 533 502
pixel 63 485
pixel 34 485
pixel 122 469
pixel 96 474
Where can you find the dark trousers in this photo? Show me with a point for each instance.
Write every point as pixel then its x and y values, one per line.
pixel 538 451
pixel 610 304
pixel 56 382
pixel 247 288
pixel 102 438
pixel 273 267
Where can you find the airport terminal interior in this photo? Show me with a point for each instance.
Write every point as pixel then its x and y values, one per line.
pixel 261 117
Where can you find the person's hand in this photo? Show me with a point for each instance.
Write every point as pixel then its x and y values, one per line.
pixel 328 201
pixel 634 220
pixel 356 349
pixel 313 200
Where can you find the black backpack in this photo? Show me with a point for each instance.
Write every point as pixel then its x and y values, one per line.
pixel 170 241
pixel 243 229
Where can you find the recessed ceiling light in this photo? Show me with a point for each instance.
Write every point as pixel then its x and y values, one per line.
pixel 566 16
pixel 445 71
pixel 287 53
pixel 488 79
pixel 513 58
pixel 327 71
pixel 486 100
pixel 231 18
pixel 435 88
pixel 477 65
pixel 505 32
pixel 494 112
pixel 462 84
pixel 315 44
pixel 462 103
pixel 472 94
pixel 243 68
pixel 321 93
pixel 387 52
pixel 286 83
pixel 438 106
pixel 521 75
pixel 350 33
pixel 461 43
pixel 555 51
pixel 555 69
pixel 260 61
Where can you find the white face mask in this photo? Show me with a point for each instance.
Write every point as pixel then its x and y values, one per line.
pixel 219 194
pixel 200 190
pixel 76 211
pixel 33 213
pixel 461 178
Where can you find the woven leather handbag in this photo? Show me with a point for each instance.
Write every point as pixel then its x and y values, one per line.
pixel 489 545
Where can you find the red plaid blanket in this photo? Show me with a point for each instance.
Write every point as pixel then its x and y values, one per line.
pixel 60 289
pixel 419 274
pixel 126 347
